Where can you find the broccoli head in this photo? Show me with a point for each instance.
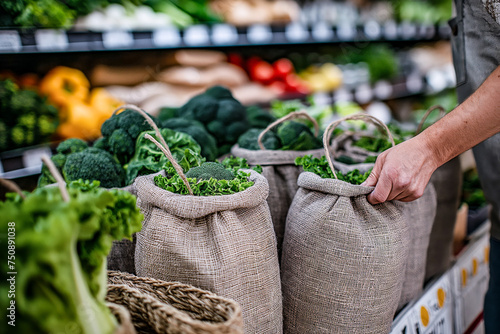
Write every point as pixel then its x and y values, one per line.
pixel 219 92
pixel 202 108
pixel 217 129
pixel 235 130
pixel 198 132
pixel 94 164
pixel 249 139
pixel 46 177
pixel 71 145
pixel 121 132
pixel 101 143
pixel 209 170
pixel 295 136
pixel 230 111
pixel 258 117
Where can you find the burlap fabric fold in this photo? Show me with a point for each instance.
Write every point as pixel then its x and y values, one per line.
pixel 156 306
pixel 343 260
pixel 224 244
pixel 419 215
pixel 279 168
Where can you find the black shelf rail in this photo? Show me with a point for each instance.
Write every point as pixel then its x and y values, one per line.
pixel 14 41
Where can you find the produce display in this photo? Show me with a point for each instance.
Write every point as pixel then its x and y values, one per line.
pixel 26 119
pixel 61 248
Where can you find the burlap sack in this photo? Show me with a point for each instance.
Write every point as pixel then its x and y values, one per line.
pixel 224 244
pixel 155 306
pixel 447 181
pixel 343 260
pixel 419 215
pixel 125 325
pixel 279 168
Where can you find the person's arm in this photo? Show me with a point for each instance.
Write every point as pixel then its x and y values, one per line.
pixel 402 172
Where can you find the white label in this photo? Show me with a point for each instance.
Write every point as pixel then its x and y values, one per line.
pixel 296 32
pixel 117 39
pixel 169 36
pixel 33 157
pixel 372 30
pixel 196 35
pixel 223 34
pixel 10 41
pixel 259 33
pixel 322 32
pixel 51 39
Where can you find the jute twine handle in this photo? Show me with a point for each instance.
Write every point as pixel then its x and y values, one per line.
pixel 163 146
pixel 59 179
pixel 292 115
pixel 359 116
pixel 12 186
pixel 442 112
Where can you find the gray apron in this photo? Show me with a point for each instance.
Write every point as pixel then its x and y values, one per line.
pixel 476 53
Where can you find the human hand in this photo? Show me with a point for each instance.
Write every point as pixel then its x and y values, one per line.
pixel 402 172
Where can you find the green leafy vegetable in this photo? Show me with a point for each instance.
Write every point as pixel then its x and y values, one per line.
pixel 61 250
pixel 249 140
pixel 319 166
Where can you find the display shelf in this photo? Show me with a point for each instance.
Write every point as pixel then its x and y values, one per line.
pixel 25 161
pixel 14 41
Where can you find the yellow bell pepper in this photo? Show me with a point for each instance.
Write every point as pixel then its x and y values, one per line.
pixel 64 85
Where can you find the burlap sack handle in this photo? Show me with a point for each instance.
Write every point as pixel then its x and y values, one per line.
pixel 359 116
pixel 163 146
pixel 292 115
pixel 442 112
pixel 171 158
pixel 59 179
pixel 12 186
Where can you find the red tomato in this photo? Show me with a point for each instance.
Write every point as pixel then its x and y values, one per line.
pixel 283 67
pixel 262 72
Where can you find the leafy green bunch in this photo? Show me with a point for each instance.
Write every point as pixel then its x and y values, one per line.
pixel 61 250
pixel 209 178
pixel 319 166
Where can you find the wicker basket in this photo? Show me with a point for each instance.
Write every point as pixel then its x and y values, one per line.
pixel 125 325
pixel 170 307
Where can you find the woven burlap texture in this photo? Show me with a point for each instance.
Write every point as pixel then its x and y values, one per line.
pixel 170 307
pixel 343 260
pixel 279 168
pixel 419 215
pixel 224 244
pixel 447 181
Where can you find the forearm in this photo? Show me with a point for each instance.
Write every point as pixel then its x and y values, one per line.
pixel 473 121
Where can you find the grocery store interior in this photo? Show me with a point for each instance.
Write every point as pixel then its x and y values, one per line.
pixel 219 72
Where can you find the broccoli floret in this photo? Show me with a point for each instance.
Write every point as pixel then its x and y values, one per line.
pixel 295 136
pixel 128 125
pixel 46 177
pixel 230 111
pixel 209 170
pixel 198 132
pixel 101 143
pixel 249 141
pixel 202 108
pixel 235 130
pixel 94 164
pixel 217 129
pixel 219 92
pixel 71 145
pixel 167 113
pixel 259 118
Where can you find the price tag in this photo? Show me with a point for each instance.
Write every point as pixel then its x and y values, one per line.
pixel 322 32
pixel 390 30
pixel 372 30
pixel 259 33
pixel 117 39
pixel 346 31
pixel 196 35
pixel 33 157
pixel 166 37
pixel 296 32
pixel 224 34
pixel 51 39
pixel 10 41
pixel 382 90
